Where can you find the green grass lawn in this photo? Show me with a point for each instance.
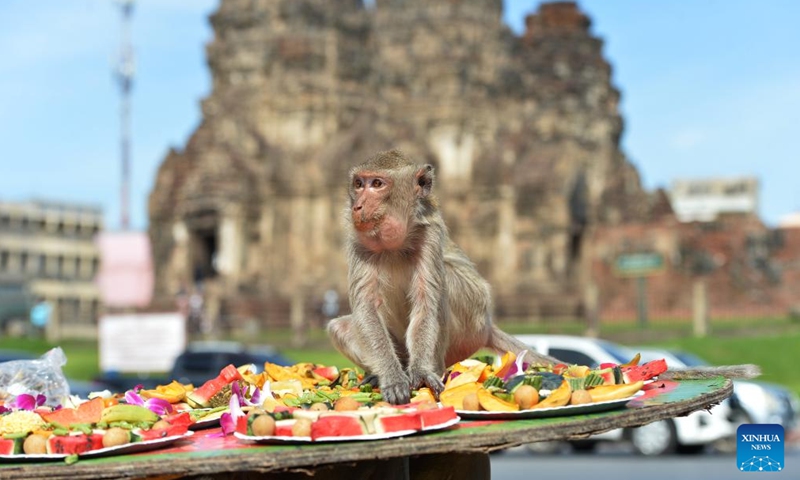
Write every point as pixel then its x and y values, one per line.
pixel 776 353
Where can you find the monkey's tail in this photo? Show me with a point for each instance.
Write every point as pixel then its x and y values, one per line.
pixel 698 373
pixel 503 342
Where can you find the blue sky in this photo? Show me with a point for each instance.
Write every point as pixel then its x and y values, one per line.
pixel 709 88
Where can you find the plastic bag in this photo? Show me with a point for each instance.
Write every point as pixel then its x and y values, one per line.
pixel 40 376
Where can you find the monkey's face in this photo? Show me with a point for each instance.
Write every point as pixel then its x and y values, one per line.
pixel 369 193
pixel 379 224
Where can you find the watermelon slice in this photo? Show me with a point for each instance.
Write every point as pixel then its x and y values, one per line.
pixel 607 374
pixel 71 444
pixel 331 373
pixel 180 418
pixel 11 446
pixel 202 396
pixel 242 424
pixel 283 428
pixel 87 412
pixel 156 433
pixel 337 426
pixel 437 416
pixel 399 422
pixel 646 371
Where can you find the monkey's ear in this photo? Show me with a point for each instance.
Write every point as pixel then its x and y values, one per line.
pixel 423 181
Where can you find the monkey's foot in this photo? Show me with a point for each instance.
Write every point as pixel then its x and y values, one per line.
pixel 423 378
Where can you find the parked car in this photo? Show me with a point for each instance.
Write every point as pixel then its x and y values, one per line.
pixel 753 401
pixel 202 361
pixel 688 434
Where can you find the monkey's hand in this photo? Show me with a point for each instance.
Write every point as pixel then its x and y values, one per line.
pixel 426 378
pixel 398 393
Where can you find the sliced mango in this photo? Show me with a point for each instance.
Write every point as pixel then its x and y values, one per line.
pixel 494 404
pixel 468 376
pixel 424 394
pixel 454 397
pixel 634 361
pixel 505 364
pixel 558 397
pixel 278 373
pixel 173 392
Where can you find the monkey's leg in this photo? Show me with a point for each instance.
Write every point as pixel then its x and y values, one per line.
pixel 426 337
pixel 373 355
pixel 340 331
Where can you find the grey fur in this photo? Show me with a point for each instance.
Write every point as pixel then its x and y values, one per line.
pixel 744 371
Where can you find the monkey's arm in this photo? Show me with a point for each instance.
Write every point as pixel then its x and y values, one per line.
pixel 427 318
pixel 378 350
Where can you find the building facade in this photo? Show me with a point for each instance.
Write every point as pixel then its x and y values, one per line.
pixel 705 199
pixel 48 252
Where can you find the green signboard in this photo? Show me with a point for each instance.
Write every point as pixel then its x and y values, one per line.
pixel 638 264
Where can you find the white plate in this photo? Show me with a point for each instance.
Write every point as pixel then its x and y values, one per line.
pixel 548 412
pixel 353 438
pixel 135 447
pixel 206 423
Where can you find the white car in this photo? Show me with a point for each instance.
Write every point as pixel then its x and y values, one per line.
pixel 688 434
pixel 751 402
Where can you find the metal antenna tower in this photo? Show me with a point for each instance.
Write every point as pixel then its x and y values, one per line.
pixel 125 70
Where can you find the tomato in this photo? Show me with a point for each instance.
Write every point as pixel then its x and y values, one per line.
pixel 560 368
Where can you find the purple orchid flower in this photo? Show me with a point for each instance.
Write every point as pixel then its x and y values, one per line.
pixel 229 419
pixel 253 401
pixel 28 402
pixel 157 405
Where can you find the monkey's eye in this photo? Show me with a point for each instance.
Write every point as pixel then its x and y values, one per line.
pixel 377 183
pixel 357 183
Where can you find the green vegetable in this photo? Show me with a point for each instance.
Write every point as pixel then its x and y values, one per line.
pixel 494 382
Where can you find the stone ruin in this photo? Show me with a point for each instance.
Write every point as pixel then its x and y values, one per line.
pixel 524 132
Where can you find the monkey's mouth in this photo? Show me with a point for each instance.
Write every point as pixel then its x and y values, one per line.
pixel 364 224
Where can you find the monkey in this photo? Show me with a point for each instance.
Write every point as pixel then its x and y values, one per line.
pixel 418 304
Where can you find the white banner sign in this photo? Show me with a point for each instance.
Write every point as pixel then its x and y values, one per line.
pixel 132 343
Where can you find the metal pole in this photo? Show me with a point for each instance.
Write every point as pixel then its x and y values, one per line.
pixel 125 72
pixel 641 300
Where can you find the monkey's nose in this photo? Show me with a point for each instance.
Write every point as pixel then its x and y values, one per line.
pixel 357 208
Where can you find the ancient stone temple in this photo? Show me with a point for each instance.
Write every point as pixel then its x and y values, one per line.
pixel 523 131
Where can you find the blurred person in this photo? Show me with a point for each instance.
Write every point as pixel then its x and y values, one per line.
pixel 330 304
pixel 195 319
pixel 40 316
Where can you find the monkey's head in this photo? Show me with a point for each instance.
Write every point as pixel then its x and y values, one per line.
pixel 389 197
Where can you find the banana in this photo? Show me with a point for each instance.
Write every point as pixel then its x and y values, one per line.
pixel 604 393
pixel 128 413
